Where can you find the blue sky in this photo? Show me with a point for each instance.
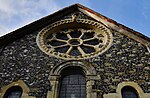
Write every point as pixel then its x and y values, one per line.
pixel 131 13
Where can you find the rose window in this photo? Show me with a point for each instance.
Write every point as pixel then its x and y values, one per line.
pixel 74 42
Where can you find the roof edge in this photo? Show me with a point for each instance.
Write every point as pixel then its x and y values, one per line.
pixel 114 22
pixel 29 28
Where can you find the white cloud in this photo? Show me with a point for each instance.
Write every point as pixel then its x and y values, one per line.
pixel 3 29
pixel 16 13
pixel 6 6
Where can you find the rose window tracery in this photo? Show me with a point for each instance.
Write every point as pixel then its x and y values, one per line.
pixel 74 39
pixel 75 42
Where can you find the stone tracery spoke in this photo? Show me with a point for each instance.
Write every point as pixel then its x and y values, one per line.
pixel 91 46
pixel 69 50
pixel 75 42
pixel 81 51
pixel 61 40
pixel 68 35
pixel 81 35
pixel 88 39
pixel 49 40
pixel 60 46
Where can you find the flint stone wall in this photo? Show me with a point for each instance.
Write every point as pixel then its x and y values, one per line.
pixel 126 60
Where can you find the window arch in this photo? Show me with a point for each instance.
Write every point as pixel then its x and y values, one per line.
pixel 15 89
pixel 14 92
pixel 57 72
pixel 127 88
pixel 129 92
pixel 72 83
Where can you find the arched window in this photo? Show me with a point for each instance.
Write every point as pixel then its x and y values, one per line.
pixel 13 92
pixel 73 83
pixel 129 92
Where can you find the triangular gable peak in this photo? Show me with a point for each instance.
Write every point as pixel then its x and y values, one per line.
pixel 115 26
pixel 76 36
pixel 41 23
pixel 78 41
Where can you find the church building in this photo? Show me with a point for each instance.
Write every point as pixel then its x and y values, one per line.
pixel 74 53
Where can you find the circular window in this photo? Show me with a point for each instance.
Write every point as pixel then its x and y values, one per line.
pixel 69 39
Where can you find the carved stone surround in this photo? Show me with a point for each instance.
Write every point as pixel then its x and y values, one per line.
pixel 19 83
pixel 88 70
pixel 140 92
pixel 74 38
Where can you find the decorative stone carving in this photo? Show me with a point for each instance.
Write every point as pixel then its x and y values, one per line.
pixel 88 70
pixel 124 60
pixel 74 38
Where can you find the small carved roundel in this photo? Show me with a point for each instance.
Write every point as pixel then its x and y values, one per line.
pixel 74 39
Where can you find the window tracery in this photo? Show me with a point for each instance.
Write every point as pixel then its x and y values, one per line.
pixel 75 42
pixel 74 38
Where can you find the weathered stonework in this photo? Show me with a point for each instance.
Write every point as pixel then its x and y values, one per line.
pixel 125 60
pixel 18 83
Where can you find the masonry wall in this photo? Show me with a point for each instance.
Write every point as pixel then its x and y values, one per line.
pixel 126 60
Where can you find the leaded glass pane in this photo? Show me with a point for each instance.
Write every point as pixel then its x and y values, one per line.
pixel 129 92
pixel 14 92
pixel 73 85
